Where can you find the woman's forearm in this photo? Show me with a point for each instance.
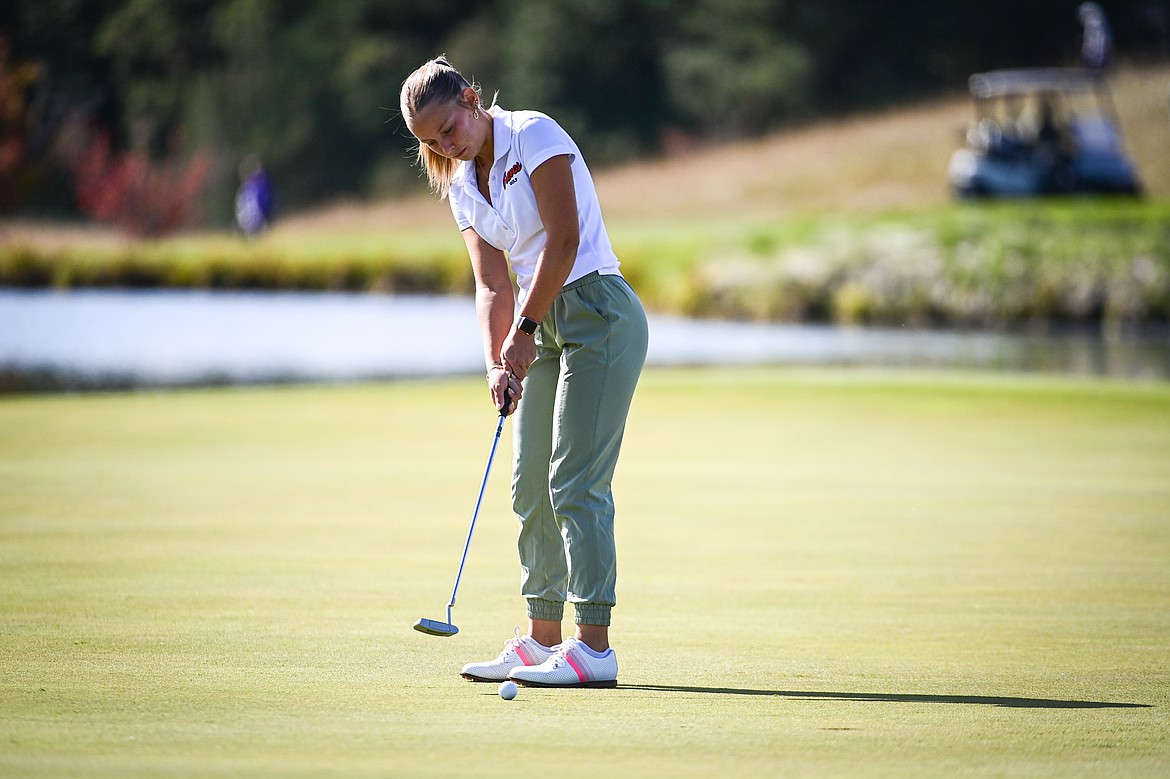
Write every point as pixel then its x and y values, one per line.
pixel 553 267
pixel 496 310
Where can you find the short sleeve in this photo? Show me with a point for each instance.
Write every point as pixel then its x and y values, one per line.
pixel 541 139
pixel 461 219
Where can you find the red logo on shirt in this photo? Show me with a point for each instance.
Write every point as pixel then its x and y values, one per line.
pixel 511 173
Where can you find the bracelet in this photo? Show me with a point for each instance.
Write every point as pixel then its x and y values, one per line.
pixel 495 367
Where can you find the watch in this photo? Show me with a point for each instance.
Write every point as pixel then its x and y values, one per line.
pixel 528 326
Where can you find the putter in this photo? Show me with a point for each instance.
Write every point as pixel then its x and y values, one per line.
pixel 434 627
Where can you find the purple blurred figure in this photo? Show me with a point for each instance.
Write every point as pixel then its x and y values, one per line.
pixel 254 198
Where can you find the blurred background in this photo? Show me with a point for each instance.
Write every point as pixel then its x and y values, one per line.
pixel 179 92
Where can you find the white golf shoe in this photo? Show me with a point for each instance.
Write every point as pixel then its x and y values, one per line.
pixel 573 664
pixel 519 652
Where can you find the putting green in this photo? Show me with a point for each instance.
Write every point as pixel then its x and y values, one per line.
pixel 823 572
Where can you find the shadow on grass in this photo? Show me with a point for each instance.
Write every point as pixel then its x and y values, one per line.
pixel 879 697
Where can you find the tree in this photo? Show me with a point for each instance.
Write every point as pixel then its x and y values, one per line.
pixel 15 80
pixel 733 69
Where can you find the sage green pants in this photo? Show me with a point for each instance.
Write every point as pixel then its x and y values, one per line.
pixel 568 432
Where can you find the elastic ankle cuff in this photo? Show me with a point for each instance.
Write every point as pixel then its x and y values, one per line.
pixel 550 610
pixel 592 614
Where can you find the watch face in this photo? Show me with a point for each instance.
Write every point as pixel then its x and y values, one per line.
pixel 527 325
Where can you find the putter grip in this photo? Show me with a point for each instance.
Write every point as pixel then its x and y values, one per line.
pixel 507 401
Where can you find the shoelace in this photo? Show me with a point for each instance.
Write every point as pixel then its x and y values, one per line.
pixel 562 650
pixel 513 642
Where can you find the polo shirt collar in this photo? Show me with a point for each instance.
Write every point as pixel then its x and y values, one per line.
pixel 501 134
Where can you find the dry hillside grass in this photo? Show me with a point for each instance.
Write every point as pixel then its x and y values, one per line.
pixel 865 163
pixel 892 160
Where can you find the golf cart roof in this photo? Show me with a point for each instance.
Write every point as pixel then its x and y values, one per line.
pixel 1001 83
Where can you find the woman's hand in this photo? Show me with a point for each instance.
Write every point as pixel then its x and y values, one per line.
pixel 518 352
pixel 501 381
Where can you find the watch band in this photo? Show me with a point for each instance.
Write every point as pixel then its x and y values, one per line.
pixel 527 326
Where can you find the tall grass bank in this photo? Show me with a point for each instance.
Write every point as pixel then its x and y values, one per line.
pixel 1094 263
pixel 1005 265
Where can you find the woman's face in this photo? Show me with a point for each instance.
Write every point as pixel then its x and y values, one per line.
pixel 447 128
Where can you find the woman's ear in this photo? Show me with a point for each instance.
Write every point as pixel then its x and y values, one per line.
pixel 470 98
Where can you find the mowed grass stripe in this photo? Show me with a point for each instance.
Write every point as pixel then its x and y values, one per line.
pixel 823 572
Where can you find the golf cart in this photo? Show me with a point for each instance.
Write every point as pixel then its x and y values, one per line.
pixel 1044 131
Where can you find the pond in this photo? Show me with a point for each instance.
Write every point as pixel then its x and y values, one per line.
pixel 95 339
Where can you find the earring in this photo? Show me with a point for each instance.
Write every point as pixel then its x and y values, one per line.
pixel 476 114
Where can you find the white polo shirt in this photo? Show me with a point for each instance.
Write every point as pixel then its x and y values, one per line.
pixel 523 140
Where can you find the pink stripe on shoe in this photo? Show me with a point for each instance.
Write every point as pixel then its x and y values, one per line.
pixel 581 674
pixel 525 657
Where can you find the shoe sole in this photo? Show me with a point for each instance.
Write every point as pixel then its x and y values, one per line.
pixel 603 684
pixel 474 678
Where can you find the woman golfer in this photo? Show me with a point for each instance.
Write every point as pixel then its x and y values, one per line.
pixel 565 354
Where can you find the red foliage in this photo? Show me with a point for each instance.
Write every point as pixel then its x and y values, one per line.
pixel 136 193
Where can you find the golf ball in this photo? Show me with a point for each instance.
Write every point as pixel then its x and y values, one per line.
pixel 508 690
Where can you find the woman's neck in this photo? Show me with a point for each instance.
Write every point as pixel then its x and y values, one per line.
pixel 487 152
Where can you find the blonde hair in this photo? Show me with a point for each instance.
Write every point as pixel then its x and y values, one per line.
pixel 436 81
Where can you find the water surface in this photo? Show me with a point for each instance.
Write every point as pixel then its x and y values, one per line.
pixel 175 338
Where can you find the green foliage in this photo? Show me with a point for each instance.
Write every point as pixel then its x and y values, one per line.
pixel 989 266
pixel 153 49
pixel 311 86
pixel 230 263
pixel 734 67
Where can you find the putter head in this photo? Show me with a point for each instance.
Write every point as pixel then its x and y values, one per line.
pixel 433 627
